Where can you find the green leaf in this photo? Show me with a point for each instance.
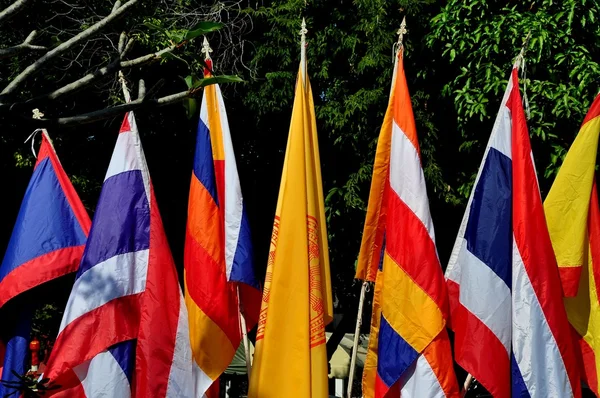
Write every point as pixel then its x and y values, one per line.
pixel 201 29
pixel 217 80
pixel 191 107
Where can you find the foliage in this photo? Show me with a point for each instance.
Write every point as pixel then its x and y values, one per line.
pixel 480 39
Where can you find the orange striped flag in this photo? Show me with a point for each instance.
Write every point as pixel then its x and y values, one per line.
pixel 218 250
pixel 398 252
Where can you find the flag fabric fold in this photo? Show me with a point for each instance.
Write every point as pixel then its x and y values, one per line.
pixel 125 328
pixel 511 330
pixel 47 242
pixel 573 217
pixel 290 357
pixel 409 349
pixel 218 249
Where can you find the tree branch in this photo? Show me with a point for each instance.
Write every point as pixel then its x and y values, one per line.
pixel 26 45
pixel 88 79
pixel 35 67
pixel 12 9
pixel 116 110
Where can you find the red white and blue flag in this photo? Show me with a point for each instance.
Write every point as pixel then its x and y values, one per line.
pixel 47 242
pixel 125 328
pixel 511 329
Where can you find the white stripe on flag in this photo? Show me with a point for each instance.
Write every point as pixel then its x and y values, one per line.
pixel 128 155
pixel 419 381
pixel 233 192
pixel 102 376
pixel 181 383
pixel 407 179
pixel 121 275
pixel 535 348
pixel 485 295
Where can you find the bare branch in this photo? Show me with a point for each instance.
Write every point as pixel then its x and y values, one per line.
pixel 26 45
pixel 116 110
pixel 35 67
pixel 12 9
pixel 111 68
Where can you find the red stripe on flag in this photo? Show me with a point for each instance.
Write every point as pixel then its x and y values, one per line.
pixel 80 341
pixel 207 285
pixel 477 348
pixel 39 270
pixel 411 247
pixel 159 313
pixel 204 260
pixel 532 237
pixel 593 112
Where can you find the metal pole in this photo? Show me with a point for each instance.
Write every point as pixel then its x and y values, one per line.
pixel 356 336
pixel 467 384
pixel 244 335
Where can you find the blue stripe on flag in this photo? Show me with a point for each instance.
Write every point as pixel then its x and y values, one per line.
pixel 518 384
pixel 124 354
pixel 121 222
pixel 395 354
pixel 242 269
pixel 45 222
pixel 204 168
pixel 489 229
pixel 16 358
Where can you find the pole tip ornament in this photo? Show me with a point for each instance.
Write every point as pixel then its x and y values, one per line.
pixel 303 31
pixel 206 50
pixel 399 45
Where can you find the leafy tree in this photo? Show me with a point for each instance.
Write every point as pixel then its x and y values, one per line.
pixel 480 40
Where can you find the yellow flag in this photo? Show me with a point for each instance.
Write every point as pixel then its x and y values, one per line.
pixel 573 218
pixel 567 203
pixel 291 358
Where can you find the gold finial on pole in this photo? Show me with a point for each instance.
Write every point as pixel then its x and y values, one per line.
pixel 402 31
pixel 206 50
pixel 399 45
pixel 303 32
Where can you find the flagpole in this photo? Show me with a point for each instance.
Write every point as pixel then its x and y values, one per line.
pixel 244 335
pixel 361 302
pixel 303 32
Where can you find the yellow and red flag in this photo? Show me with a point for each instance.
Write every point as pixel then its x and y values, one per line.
pixel 218 250
pixel 291 358
pixel 409 349
pixel 573 218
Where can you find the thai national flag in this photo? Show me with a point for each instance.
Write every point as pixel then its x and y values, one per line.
pixel 511 329
pixel 47 242
pixel 125 327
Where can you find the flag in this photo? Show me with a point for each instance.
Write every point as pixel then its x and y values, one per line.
pixel 218 254
pixel 47 242
pixel 573 217
pixel 511 330
pixel 409 349
pixel 291 358
pixel 126 310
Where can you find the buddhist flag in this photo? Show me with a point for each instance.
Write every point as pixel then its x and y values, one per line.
pixel 573 218
pixel 290 358
pixel 218 250
pixel 409 349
